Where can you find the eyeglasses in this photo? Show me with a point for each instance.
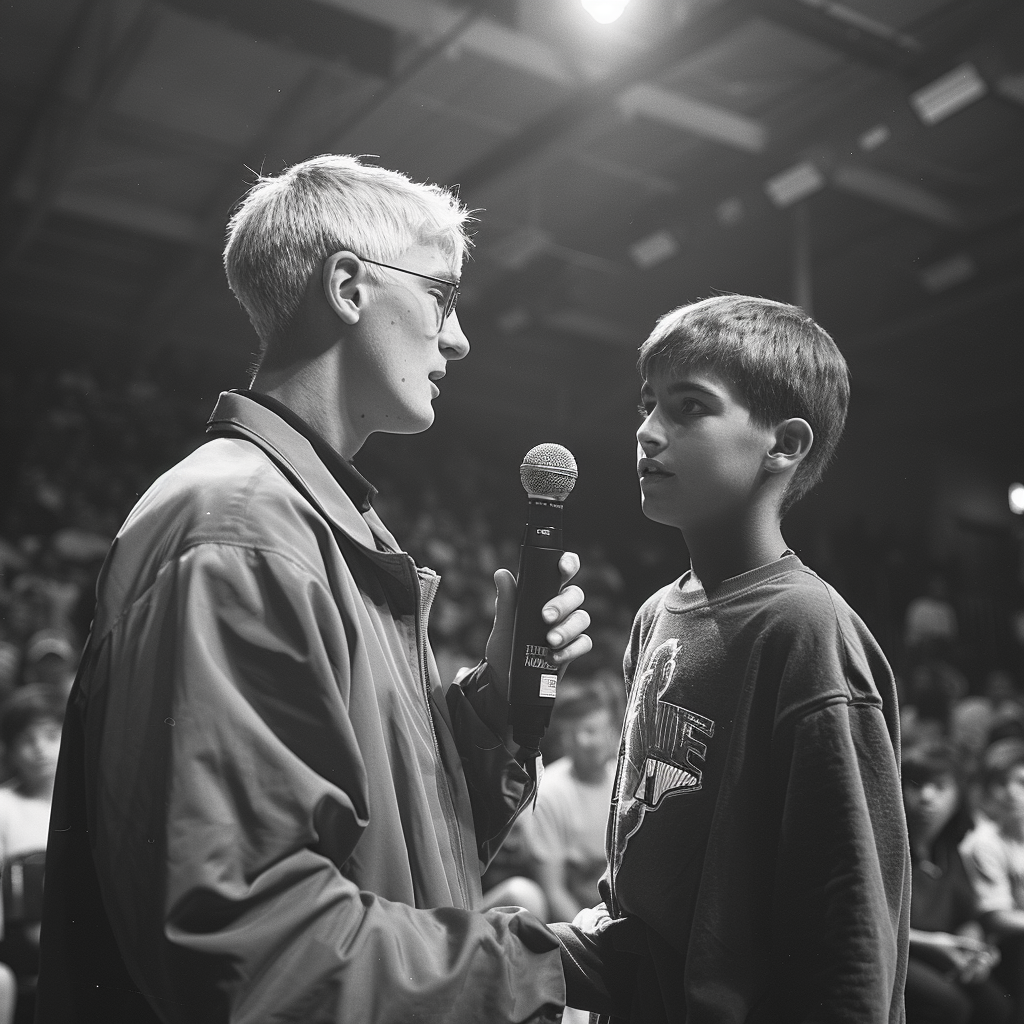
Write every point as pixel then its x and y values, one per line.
pixel 448 307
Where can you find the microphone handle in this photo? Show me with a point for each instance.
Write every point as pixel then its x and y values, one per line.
pixel 533 676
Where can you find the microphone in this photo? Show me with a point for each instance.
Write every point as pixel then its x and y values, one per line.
pixel 548 474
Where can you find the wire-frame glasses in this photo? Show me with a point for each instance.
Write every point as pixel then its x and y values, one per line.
pixel 451 298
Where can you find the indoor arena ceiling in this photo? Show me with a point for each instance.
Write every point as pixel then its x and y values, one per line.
pixel 863 157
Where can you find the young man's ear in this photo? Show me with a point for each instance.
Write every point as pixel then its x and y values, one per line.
pixel 793 440
pixel 344 284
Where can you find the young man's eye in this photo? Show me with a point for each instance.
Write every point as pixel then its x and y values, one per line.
pixel 690 406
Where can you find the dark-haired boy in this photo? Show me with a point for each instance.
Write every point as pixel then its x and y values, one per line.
pixel 758 857
pixel 993 854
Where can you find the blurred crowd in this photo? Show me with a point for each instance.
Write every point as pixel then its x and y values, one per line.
pixel 94 447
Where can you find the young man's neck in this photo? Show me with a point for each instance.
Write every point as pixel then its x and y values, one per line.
pixel 312 390
pixel 726 550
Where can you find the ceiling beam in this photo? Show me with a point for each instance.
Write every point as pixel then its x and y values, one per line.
pixel 679 111
pixel 842 29
pixel 113 71
pixel 431 21
pixel 122 212
pixel 898 194
pixel 47 97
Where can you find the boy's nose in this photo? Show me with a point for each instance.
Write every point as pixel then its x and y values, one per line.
pixel 452 342
pixel 648 442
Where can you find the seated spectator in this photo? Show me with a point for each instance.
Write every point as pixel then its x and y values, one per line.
pixel 510 879
pixel 973 719
pixel 948 974
pixel 30 728
pixel 931 618
pixel 932 689
pixel 51 659
pixel 566 833
pixel 993 853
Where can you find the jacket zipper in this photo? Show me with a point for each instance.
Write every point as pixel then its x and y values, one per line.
pixel 423 605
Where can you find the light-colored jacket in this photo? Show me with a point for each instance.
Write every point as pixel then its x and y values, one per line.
pixel 268 808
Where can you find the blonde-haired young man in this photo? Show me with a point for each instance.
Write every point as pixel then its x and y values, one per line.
pixel 268 805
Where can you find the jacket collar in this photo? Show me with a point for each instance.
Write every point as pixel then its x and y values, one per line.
pixel 353 483
pixel 237 415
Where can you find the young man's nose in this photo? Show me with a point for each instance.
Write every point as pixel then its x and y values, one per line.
pixel 452 342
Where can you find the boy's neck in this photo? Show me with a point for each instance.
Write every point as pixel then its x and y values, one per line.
pixel 727 550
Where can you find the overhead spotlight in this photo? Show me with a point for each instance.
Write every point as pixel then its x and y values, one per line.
pixel 604 11
pixel 1017 499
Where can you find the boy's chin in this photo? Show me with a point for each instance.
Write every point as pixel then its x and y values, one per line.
pixel 657 515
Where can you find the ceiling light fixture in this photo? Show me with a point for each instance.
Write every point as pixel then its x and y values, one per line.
pixel 946 95
pixel 1016 497
pixel 795 183
pixel 604 11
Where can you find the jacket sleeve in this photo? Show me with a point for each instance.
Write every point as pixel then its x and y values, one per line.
pixel 229 793
pixel 499 786
pixel 839 927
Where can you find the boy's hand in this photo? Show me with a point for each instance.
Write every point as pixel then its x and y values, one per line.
pixel 565 618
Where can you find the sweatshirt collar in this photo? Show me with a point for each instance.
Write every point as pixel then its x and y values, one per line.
pixel 680 600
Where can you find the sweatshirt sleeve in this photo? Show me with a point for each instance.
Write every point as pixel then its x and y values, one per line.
pixel 230 792
pixel 842 869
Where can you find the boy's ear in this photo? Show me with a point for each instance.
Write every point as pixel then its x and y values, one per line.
pixel 793 440
pixel 344 284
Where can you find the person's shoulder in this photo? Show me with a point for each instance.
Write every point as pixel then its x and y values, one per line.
pixel 226 491
pixel 983 838
pixel 557 774
pixel 822 647
pixel 226 504
pixel 11 800
pixel 654 604
pixel 800 600
pixel 800 604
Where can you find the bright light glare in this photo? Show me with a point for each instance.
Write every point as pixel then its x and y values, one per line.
pixel 1017 499
pixel 604 11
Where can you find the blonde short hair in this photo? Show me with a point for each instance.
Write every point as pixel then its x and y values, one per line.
pixel 288 224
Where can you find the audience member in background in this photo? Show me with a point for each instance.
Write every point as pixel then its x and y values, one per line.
pixel 933 687
pixel 566 834
pixel 931 618
pixel 993 853
pixel 948 974
pixel 30 727
pixel 974 718
pixel 51 659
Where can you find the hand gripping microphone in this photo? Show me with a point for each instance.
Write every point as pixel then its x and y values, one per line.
pixel 548 473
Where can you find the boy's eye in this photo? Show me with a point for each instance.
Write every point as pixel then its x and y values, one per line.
pixel 690 406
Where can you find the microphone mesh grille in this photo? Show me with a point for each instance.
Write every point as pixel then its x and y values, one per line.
pixel 548 471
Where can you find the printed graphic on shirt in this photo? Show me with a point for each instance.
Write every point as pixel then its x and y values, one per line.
pixel 663 752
